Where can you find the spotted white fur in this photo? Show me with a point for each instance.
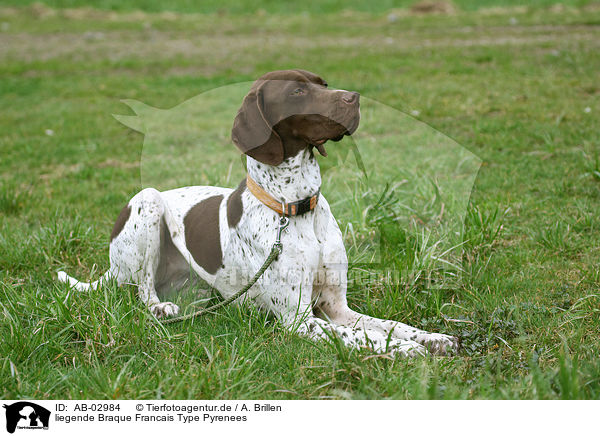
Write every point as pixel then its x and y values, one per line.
pixel 312 247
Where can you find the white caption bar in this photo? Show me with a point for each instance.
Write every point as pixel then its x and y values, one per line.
pixel 25 417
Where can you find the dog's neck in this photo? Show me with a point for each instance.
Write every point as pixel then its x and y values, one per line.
pixel 296 178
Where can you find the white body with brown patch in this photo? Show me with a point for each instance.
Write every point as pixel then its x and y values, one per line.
pixel 163 239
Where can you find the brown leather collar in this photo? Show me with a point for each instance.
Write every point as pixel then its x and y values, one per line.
pixel 289 209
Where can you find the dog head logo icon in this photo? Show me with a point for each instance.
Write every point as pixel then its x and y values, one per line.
pixel 25 414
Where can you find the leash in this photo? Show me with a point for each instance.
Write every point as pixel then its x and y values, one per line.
pixel 276 250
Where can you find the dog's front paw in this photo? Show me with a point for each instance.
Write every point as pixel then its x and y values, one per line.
pixel 437 343
pixel 408 349
pixel 164 309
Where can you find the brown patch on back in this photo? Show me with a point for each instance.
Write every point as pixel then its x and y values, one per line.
pixel 120 223
pixel 202 236
pixel 235 208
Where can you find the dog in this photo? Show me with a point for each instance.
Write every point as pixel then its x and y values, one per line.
pixel 159 237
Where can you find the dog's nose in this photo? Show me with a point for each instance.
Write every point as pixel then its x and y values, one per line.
pixel 350 97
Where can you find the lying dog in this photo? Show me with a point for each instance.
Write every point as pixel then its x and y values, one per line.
pixel 218 232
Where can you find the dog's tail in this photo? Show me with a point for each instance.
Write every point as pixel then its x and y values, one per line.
pixel 81 286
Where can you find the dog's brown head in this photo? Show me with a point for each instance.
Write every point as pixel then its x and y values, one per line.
pixel 287 111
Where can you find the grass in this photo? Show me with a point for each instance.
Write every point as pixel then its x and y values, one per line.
pixel 519 282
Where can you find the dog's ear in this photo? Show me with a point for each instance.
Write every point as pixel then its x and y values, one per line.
pixel 253 134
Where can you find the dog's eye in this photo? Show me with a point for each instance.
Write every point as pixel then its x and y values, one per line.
pixel 298 91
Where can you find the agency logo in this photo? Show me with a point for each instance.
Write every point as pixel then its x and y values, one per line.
pixel 398 188
pixel 26 415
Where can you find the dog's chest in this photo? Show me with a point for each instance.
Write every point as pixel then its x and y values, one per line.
pixel 258 228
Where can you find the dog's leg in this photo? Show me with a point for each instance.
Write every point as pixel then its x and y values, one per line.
pixel 354 337
pixel 330 290
pixel 135 252
pixel 339 313
pixel 294 309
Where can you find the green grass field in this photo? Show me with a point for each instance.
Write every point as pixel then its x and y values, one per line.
pixel 516 86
